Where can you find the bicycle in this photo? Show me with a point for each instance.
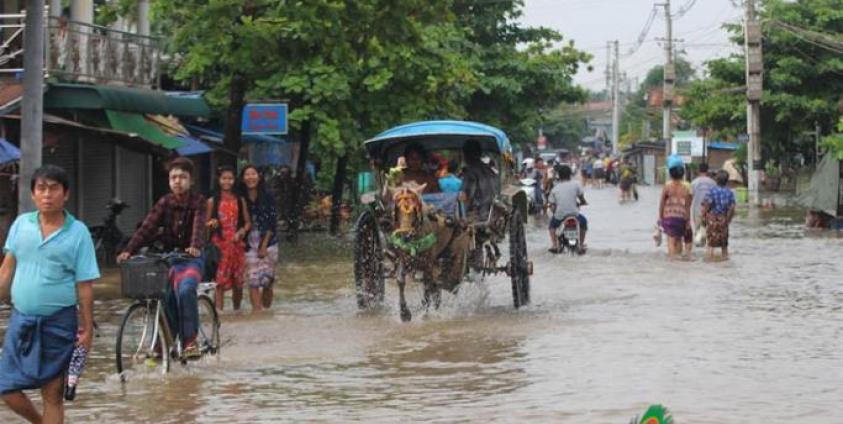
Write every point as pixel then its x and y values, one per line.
pixel 145 340
pixel 107 237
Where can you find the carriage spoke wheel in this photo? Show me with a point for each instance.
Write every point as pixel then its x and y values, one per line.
pixel 519 265
pixel 368 262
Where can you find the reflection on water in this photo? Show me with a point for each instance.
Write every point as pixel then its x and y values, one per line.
pixel 754 339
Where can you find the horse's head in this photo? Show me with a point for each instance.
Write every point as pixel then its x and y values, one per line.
pixel 408 207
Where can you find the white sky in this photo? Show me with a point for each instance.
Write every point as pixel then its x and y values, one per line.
pixel 591 23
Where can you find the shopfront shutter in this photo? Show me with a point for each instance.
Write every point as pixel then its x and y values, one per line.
pixel 133 188
pixel 63 154
pixel 97 178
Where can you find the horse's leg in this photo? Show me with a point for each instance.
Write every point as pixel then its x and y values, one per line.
pixel 406 316
pixel 432 292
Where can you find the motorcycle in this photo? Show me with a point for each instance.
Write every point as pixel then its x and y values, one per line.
pixel 534 199
pixel 108 239
pixel 569 236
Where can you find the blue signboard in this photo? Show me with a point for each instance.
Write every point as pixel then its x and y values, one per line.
pixel 265 119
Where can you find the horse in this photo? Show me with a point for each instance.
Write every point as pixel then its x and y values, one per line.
pixel 428 241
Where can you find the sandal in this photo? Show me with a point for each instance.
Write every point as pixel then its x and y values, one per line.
pixel 191 351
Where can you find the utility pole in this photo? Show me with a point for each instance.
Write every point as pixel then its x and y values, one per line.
pixel 608 68
pixel 754 87
pixel 616 100
pixel 143 17
pixel 669 80
pixel 32 104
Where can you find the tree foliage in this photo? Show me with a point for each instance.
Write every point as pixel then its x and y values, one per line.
pixel 803 80
pixel 637 113
pixel 834 142
pixel 355 68
pixel 684 74
pixel 522 77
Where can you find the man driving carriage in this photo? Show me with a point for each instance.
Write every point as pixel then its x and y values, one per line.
pixel 416 158
pixel 479 182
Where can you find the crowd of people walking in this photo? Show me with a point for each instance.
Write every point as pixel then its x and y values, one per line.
pixel 696 212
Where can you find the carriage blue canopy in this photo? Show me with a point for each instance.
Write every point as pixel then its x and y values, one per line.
pixel 438 135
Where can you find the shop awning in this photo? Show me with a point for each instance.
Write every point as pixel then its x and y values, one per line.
pixel 720 145
pixel 8 152
pixel 134 123
pixel 131 141
pixel 192 147
pixel 123 99
pixel 217 137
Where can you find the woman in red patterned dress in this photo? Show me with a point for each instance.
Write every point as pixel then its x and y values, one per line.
pixel 229 223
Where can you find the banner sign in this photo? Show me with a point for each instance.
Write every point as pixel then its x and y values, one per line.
pixel 267 119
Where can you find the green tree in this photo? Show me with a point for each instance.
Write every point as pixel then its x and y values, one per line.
pixel 352 69
pixel 348 69
pixel 802 80
pixel 637 110
pixel 834 142
pixel 711 103
pixel 521 75
pixel 564 127
pixel 684 74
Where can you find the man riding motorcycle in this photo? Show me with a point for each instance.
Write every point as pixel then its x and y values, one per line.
pixel 565 199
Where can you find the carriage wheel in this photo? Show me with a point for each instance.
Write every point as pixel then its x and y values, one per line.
pixel 519 265
pixel 368 262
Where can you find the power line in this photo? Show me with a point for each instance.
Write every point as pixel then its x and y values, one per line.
pixel 685 9
pixel 642 36
pixel 816 38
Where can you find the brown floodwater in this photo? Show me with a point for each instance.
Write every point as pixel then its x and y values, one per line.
pixel 755 339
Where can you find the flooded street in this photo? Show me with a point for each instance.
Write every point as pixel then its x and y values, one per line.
pixel 756 339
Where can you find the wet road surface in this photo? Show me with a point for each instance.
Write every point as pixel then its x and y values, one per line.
pixel 755 339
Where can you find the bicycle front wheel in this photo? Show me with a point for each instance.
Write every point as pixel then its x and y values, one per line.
pixel 208 337
pixel 141 348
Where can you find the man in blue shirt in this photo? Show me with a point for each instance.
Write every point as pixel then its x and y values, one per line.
pixel 51 256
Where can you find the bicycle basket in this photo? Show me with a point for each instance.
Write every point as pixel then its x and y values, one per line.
pixel 144 278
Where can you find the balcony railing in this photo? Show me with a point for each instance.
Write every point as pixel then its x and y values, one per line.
pixel 78 52
pixel 11 43
pixel 91 53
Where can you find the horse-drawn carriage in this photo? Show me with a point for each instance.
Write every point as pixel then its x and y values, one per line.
pixel 408 230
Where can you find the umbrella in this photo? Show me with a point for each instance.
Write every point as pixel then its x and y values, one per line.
pixel 77 365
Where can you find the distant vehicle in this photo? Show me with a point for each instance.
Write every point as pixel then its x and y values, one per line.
pixel 555 155
pixel 528 186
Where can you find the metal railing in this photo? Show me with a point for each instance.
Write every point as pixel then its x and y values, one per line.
pixel 91 53
pixel 11 43
pixel 79 52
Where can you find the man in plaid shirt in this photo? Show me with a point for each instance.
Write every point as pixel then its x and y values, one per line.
pixel 181 215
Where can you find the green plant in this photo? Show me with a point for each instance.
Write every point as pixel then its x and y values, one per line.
pixel 834 142
pixel 772 170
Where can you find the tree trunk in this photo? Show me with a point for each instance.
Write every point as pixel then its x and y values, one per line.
pixel 336 195
pixel 299 189
pixel 234 118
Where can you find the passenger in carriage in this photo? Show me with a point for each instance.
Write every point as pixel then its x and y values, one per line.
pixel 416 158
pixel 451 183
pixel 479 182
